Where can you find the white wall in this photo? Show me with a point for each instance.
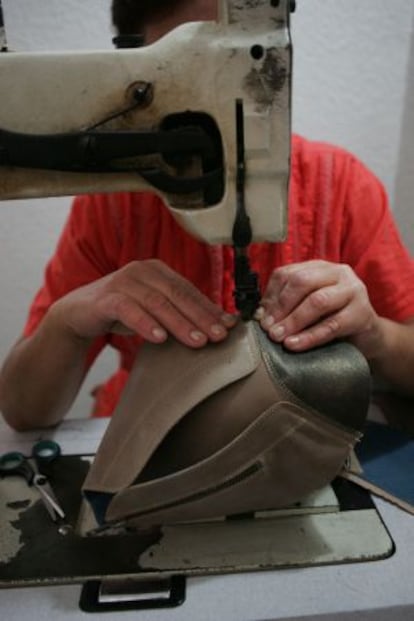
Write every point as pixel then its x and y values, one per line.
pixel 353 85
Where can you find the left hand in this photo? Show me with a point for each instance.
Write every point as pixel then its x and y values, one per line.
pixel 309 304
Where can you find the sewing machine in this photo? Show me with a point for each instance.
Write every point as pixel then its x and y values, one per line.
pixel 161 117
pixel 216 148
pixel 222 161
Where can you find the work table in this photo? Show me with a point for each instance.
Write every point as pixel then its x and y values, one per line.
pixel 380 590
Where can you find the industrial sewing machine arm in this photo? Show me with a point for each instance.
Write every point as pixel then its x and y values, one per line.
pixel 162 117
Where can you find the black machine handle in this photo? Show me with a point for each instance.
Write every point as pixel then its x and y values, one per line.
pixel 99 151
pixel 113 152
pixel 91 599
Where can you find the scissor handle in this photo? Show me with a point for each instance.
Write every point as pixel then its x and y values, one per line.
pixel 16 463
pixel 46 451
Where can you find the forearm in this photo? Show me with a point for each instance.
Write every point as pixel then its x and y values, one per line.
pixel 395 359
pixel 42 375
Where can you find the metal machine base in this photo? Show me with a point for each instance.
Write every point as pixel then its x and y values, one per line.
pixel 340 524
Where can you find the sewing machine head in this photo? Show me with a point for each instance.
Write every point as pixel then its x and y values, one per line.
pixel 201 116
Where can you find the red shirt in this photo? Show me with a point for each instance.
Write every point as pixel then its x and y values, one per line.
pixel 338 211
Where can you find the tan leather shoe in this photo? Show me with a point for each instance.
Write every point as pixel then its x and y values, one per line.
pixel 231 428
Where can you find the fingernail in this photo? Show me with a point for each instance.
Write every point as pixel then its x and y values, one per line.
pixel 159 334
pixel 260 313
pixel 197 336
pixel 218 330
pixel 268 321
pixel 293 340
pixel 277 332
pixel 229 319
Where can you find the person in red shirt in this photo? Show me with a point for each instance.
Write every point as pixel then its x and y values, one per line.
pixel 124 271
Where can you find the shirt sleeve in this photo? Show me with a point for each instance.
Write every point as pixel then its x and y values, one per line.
pixel 372 245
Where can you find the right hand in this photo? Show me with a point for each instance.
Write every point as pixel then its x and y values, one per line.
pixel 146 298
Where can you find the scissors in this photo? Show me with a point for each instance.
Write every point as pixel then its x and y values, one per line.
pixel 43 452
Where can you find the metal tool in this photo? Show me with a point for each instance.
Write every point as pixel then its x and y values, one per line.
pixel 43 452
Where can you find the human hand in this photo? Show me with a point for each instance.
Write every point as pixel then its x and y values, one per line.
pixel 309 304
pixel 145 298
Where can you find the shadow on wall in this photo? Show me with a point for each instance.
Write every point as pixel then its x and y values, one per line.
pixel 404 189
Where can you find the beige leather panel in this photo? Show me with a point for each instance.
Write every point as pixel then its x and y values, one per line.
pixel 213 424
pixel 167 381
pixel 267 466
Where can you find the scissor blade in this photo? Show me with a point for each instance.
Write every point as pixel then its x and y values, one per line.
pixel 51 504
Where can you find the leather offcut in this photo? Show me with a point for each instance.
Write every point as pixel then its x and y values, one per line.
pixel 230 428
